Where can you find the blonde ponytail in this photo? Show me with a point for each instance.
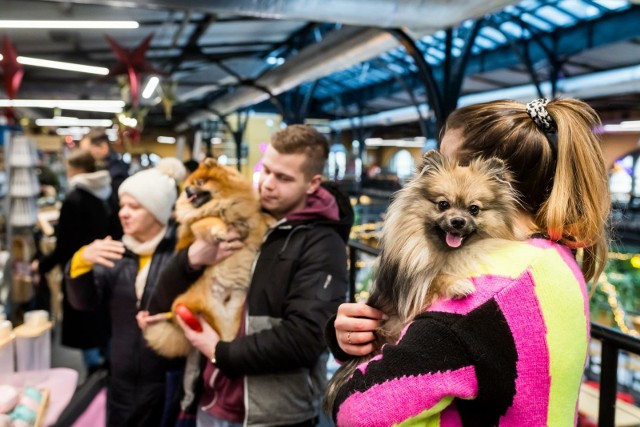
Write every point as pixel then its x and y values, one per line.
pixel 578 205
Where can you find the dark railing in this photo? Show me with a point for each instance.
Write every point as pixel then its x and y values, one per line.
pixel 613 341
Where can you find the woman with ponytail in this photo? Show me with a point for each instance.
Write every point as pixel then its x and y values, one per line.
pixel 512 353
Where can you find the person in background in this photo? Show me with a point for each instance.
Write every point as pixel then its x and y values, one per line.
pixel 83 218
pixel 274 372
pixel 124 275
pixel 47 178
pixel 98 144
pixel 513 352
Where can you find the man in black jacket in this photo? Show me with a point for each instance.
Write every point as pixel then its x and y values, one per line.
pixel 274 372
pixel 98 144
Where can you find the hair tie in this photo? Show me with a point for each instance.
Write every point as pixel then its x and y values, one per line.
pixel 540 116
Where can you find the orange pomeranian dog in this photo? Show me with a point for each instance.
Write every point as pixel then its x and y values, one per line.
pixel 215 199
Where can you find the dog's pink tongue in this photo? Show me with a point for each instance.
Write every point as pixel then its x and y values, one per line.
pixel 454 240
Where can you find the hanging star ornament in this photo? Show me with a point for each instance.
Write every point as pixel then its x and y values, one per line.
pixel 12 73
pixel 168 96
pixel 133 64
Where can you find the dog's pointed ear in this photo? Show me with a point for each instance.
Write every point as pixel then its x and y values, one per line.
pixel 431 160
pixel 210 162
pixel 495 167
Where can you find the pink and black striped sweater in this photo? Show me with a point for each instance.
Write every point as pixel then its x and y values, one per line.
pixel 511 354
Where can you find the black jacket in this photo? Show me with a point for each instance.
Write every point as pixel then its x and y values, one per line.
pixel 119 171
pixel 137 382
pixel 300 278
pixel 84 217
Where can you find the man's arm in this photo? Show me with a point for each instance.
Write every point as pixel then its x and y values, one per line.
pixel 185 267
pixel 318 286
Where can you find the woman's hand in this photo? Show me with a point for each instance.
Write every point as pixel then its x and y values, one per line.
pixel 204 341
pixel 103 251
pixel 355 326
pixel 144 319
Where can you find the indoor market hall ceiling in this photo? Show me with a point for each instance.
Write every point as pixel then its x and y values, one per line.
pixel 212 58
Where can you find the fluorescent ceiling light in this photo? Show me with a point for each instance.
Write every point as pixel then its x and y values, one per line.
pixel 69 66
pixel 69 25
pixel 166 140
pixel 90 69
pixel 73 131
pixel 104 106
pixel 152 84
pixel 379 142
pixel 72 121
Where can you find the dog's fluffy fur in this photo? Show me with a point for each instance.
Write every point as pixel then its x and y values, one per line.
pixel 215 198
pixel 437 229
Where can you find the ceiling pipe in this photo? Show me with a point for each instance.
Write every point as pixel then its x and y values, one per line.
pixel 414 14
pixel 340 49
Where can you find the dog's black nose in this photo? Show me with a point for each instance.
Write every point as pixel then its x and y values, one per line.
pixel 457 222
pixel 190 190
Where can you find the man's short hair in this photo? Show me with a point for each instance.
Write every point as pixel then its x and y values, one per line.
pixel 98 138
pixel 303 139
pixel 83 160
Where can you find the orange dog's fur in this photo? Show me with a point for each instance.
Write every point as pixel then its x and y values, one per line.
pixel 215 198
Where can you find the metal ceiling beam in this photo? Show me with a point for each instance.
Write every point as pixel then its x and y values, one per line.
pixel 570 41
pixel 415 14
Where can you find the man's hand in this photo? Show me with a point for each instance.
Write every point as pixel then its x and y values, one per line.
pixel 202 253
pixel 204 341
pixel 103 251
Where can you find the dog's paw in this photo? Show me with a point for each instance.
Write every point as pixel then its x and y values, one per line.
pixel 460 288
pixel 209 229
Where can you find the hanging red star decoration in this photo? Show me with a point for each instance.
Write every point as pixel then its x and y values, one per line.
pixel 12 73
pixel 133 64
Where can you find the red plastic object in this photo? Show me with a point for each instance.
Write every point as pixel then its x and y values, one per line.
pixel 187 317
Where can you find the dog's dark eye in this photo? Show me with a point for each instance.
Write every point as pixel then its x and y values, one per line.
pixel 199 182
pixel 443 205
pixel 474 210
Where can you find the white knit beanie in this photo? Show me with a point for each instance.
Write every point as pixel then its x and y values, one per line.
pixel 154 190
pixel 173 167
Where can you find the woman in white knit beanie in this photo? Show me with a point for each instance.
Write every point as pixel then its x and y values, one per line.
pixel 124 273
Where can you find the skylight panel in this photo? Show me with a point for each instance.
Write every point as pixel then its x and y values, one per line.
pixel 484 42
pixel 555 15
pixel 510 28
pixel 536 22
pixel 493 34
pixel 612 4
pixel 579 9
pixel 436 53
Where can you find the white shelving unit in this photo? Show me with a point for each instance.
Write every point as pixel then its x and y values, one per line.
pixel 19 214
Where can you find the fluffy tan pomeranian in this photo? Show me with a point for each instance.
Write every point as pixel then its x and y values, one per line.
pixel 436 231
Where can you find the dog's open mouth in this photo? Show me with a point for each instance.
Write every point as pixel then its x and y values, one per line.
pixel 197 198
pixel 453 240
